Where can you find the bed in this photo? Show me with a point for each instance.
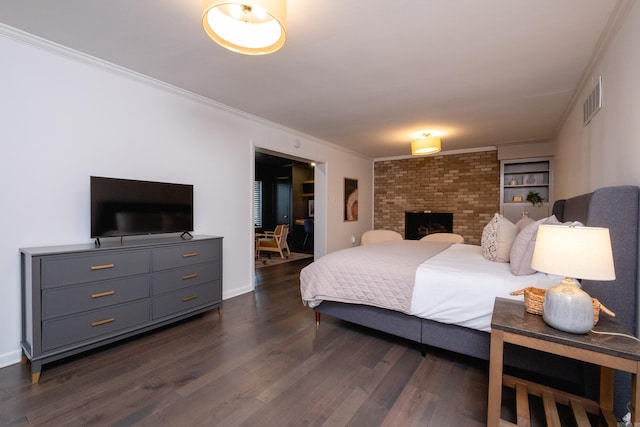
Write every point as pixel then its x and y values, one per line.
pixel 616 208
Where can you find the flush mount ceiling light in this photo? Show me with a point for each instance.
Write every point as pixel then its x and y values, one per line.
pixel 426 145
pixel 252 27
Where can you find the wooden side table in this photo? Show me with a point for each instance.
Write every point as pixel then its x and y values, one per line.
pixel 510 323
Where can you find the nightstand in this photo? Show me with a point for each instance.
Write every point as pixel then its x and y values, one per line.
pixel 511 324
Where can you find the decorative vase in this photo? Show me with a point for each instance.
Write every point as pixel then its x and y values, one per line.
pixel 568 308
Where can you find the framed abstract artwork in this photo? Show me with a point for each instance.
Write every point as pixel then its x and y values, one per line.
pixel 350 199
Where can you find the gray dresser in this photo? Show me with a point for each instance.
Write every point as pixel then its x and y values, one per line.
pixel 79 297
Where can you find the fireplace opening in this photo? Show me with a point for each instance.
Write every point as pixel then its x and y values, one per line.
pixel 418 224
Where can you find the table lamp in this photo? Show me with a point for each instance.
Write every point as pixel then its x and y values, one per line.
pixel 573 252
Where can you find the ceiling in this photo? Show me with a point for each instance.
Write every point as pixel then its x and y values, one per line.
pixel 367 75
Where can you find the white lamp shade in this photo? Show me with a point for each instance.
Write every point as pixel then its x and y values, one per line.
pixel 576 252
pixel 253 27
pixel 425 146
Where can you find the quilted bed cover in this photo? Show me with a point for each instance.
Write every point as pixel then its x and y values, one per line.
pixel 381 274
pixel 448 283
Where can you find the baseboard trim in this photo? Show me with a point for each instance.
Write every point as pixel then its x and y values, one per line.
pixel 10 358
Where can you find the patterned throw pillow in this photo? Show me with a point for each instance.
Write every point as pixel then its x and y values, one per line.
pixel 497 237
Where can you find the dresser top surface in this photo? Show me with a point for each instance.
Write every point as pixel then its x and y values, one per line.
pixel 114 243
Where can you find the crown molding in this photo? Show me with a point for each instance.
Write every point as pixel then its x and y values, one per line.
pixel 86 59
pixel 441 153
pixel 615 22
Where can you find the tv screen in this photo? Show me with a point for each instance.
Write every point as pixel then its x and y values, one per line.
pixel 126 207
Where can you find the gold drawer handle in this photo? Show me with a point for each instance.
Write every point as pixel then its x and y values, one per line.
pixel 102 322
pixel 190 255
pixel 190 276
pixel 102 267
pixel 103 294
pixel 185 299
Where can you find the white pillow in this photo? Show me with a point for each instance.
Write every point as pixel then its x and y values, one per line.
pixel 522 248
pixel 497 237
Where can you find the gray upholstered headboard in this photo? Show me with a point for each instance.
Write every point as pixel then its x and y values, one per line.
pixel 616 208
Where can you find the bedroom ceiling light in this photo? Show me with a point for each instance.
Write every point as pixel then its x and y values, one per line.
pixel 252 27
pixel 582 252
pixel 426 145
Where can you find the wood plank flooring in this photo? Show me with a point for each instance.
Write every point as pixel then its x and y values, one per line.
pixel 263 363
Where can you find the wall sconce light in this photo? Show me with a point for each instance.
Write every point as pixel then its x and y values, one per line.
pixel 426 145
pixel 252 27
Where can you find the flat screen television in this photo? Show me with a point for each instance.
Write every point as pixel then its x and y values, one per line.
pixel 126 207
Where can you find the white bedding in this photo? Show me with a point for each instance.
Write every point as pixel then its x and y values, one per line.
pixel 449 284
pixel 459 286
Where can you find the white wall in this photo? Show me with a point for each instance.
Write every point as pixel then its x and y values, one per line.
pixel 607 151
pixel 65 117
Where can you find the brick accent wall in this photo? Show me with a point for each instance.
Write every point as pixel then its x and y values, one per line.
pixel 466 184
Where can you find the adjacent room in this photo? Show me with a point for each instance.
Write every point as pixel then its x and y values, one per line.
pixel 284 209
pixel 250 213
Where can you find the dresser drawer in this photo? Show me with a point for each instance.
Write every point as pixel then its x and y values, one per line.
pixel 58 271
pixel 179 278
pixel 186 299
pixel 62 301
pixel 186 254
pixel 69 330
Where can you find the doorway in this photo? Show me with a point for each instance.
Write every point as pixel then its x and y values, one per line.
pixel 283 195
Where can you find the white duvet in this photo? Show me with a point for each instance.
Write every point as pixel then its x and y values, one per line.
pixel 459 286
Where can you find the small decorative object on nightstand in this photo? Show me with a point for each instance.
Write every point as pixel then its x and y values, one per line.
pixel 582 252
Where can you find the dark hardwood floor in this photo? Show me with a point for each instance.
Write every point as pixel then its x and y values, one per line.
pixel 263 363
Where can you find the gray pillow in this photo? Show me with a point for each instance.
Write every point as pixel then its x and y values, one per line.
pixel 522 247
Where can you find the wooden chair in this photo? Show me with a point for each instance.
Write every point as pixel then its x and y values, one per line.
pixel 274 241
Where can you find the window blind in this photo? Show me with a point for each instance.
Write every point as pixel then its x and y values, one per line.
pixel 257 204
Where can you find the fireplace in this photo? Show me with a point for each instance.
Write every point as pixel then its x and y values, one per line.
pixel 418 224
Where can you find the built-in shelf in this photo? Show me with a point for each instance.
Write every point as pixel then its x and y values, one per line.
pixel 517 179
pixel 308 188
pixel 526 186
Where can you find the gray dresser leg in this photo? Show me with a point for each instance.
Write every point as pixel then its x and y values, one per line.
pixel 36 368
